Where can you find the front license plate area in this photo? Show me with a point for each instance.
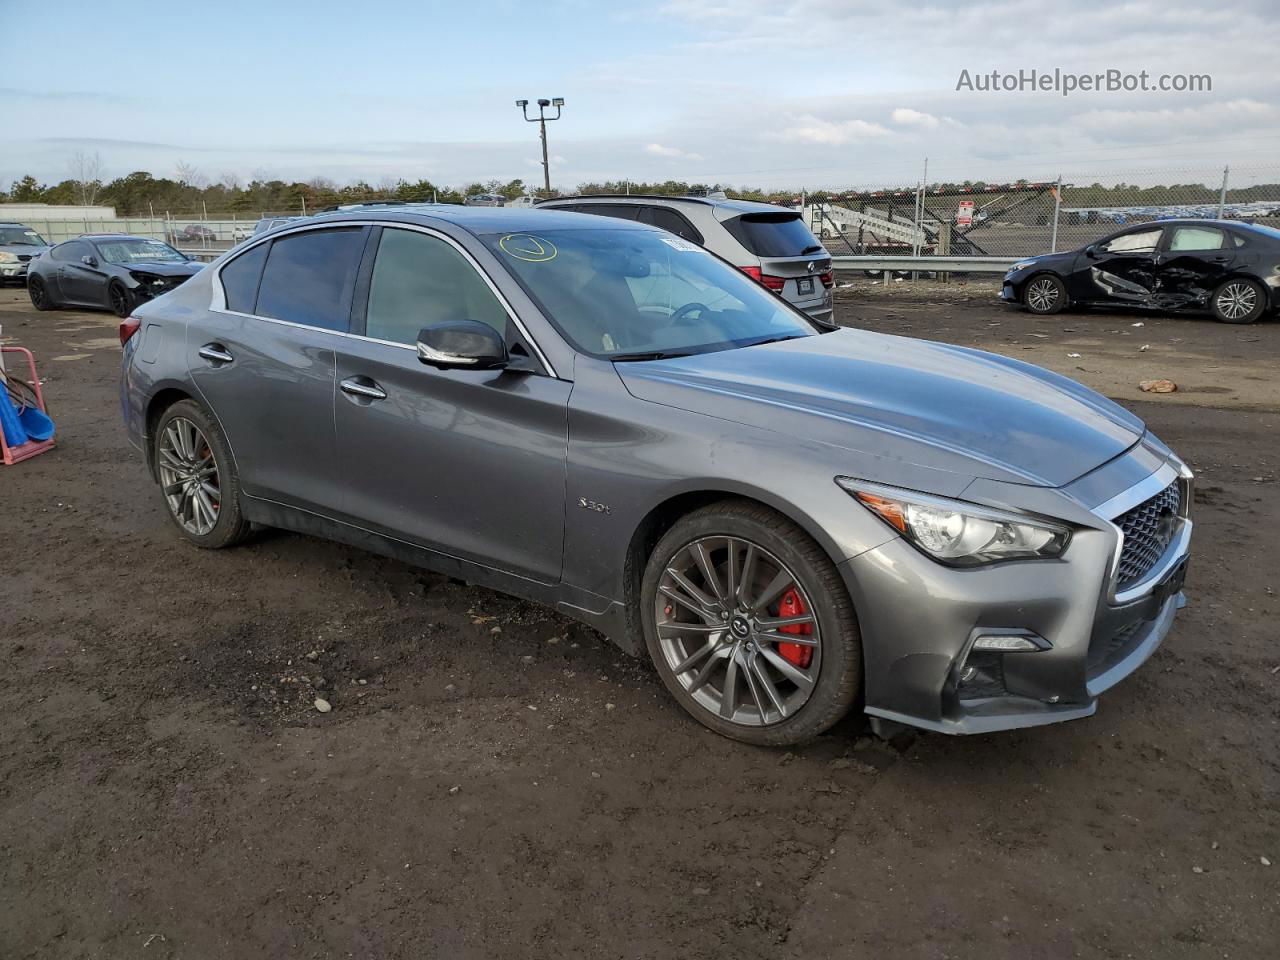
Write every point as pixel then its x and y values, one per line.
pixel 1171 585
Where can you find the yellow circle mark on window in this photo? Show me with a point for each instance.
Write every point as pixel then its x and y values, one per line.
pixel 525 246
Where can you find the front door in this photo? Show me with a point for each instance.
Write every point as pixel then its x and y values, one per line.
pixel 1121 269
pixel 266 365
pixel 82 282
pixel 467 462
pixel 1195 260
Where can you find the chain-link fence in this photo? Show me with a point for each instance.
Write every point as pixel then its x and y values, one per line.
pixel 1024 218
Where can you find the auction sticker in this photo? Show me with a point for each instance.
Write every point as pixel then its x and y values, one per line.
pixel 527 247
pixel 681 244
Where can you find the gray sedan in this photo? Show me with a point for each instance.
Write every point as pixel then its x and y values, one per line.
pixel 607 419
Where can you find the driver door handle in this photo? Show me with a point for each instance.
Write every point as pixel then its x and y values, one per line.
pixel 215 353
pixel 362 387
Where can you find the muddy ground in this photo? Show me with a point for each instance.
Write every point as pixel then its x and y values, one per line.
pixel 495 781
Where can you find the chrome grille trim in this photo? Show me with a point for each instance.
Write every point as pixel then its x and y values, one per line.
pixel 1113 510
pixel 1146 537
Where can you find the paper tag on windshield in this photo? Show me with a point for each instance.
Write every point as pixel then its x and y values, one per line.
pixel 681 244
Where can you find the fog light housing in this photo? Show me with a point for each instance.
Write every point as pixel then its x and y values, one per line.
pixel 1021 641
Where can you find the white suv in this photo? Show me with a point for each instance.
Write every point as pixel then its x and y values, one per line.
pixel 771 244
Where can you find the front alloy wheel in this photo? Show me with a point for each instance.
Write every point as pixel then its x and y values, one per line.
pixel 1045 294
pixel 120 299
pixel 735 628
pixel 749 625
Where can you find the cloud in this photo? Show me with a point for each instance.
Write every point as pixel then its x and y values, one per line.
pixel 906 117
pixel 833 133
pixel 658 150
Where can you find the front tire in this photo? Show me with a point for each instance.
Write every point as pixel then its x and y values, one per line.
pixel 1239 301
pixel 749 625
pixel 39 294
pixel 1045 294
pixel 198 479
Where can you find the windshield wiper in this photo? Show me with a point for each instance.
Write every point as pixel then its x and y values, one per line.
pixel 651 355
pixel 808 250
pixel 789 336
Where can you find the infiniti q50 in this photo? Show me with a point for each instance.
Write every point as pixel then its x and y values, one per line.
pixel 605 418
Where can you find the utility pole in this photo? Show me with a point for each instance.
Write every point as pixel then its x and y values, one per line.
pixel 541 120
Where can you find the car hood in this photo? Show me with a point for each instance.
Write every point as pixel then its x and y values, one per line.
pixel 940 406
pixel 1056 261
pixel 22 248
pixel 164 268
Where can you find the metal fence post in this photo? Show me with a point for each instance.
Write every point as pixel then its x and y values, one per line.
pixel 1222 194
pixel 1057 207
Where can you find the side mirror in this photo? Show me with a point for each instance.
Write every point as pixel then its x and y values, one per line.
pixel 1091 251
pixel 89 261
pixel 462 344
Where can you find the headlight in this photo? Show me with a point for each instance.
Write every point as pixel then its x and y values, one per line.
pixel 960 534
pixel 1021 266
pixel 8 258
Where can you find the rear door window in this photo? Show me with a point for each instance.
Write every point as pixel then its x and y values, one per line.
pixel 1190 239
pixel 773 234
pixel 309 277
pixel 240 279
pixel 670 221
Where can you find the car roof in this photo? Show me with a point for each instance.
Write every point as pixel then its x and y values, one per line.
pixel 478 220
pixel 728 203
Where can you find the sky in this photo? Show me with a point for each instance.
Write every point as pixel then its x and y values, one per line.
pixel 801 94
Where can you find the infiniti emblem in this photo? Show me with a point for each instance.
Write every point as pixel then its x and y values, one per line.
pixel 740 627
pixel 1164 526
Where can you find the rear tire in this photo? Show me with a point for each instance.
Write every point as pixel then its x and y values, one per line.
pixel 198 479
pixel 1045 294
pixel 778 695
pixel 39 294
pixel 121 300
pixel 1239 301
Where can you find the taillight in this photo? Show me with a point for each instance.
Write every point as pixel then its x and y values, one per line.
pixel 773 283
pixel 828 279
pixel 128 327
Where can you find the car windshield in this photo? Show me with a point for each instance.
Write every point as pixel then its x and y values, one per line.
pixel 642 294
pixel 136 251
pixel 21 237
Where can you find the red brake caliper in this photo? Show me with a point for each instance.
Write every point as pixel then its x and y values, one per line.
pixel 793 606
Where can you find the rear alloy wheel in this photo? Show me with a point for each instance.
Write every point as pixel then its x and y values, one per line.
pixel 1045 294
pixel 1239 301
pixel 121 300
pixel 750 627
pixel 197 478
pixel 39 294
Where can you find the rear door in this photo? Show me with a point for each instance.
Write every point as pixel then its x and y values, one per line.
pixel 1193 261
pixel 470 463
pixel 1122 269
pixel 265 364
pixel 789 252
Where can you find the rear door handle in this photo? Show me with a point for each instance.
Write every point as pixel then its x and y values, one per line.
pixel 363 388
pixel 215 353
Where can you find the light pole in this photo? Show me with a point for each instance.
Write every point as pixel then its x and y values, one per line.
pixel 541 120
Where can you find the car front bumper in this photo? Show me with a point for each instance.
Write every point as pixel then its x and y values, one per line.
pixel 920 621
pixel 13 271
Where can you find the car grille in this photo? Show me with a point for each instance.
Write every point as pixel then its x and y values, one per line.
pixel 24 257
pixel 1148 532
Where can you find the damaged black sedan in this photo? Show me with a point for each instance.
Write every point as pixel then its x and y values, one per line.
pixel 1224 267
pixel 112 271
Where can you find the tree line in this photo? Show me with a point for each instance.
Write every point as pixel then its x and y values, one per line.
pixel 141 194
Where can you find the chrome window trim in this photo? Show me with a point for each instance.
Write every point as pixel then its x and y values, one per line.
pixel 1125 501
pixel 218 297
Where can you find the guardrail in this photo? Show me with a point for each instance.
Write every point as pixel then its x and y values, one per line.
pixel 879 264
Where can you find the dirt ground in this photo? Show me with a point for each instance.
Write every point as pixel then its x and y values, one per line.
pixel 495 781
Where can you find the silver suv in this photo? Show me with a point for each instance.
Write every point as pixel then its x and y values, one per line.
pixel 19 245
pixel 768 243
